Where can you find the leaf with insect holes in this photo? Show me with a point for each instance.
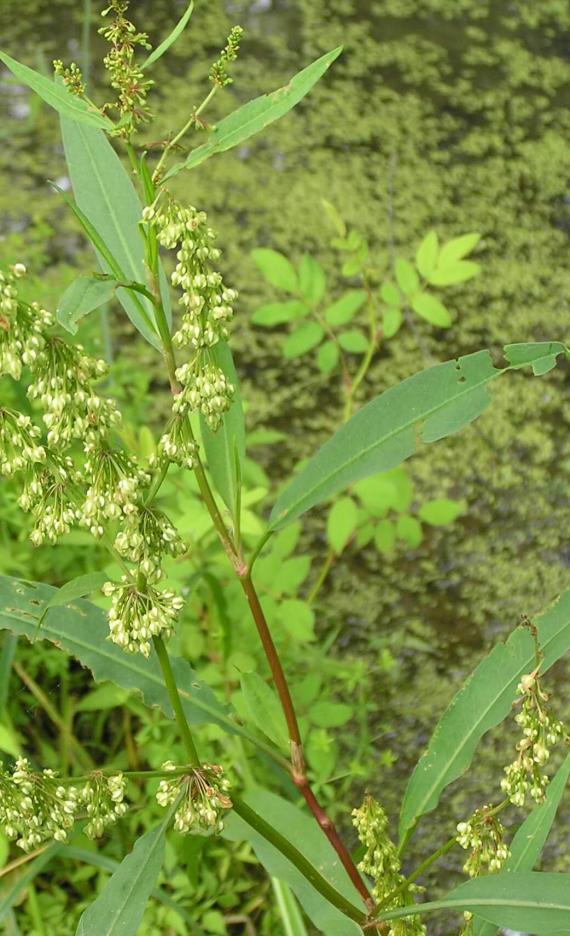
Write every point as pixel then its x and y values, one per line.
pixel 254 116
pixel 302 340
pixel 344 309
pixel 427 254
pixel 276 268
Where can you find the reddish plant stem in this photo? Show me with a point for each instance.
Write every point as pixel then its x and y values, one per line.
pixel 298 768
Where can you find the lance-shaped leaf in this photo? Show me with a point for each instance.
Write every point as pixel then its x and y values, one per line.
pixel 225 448
pixel 254 116
pixel 524 901
pixel 119 908
pixel 170 39
pixel 426 407
pixel 83 296
pixel 526 847
pixel 299 828
pixel 57 95
pixel 481 704
pixel 81 629
pixel 106 196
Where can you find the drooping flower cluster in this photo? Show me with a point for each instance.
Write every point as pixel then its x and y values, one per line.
pixel 34 806
pixel 175 444
pixel 218 72
pixel 138 615
pixel 114 486
pixel 208 391
pixel 103 798
pixel 381 862
pixel 483 836
pixel 21 325
pixel 127 77
pixel 18 442
pixel 145 538
pixel 205 798
pixel 541 731
pixel 71 76
pixel 49 496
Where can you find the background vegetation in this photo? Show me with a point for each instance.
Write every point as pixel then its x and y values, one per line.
pixel 442 115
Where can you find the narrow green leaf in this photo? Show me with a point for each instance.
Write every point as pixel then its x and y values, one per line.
pixel 119 908
pixel 312 280
pixel 302 340
pixel 278 313
pixel 298 827
pixel 457 249
pixel 264 709
pixel 341 523
pixel 57 95
pixel 85 294
pixel 426 254
pixel 276 268
pixel 16 888
pixel 105 194
pixel 442 511
pixel 254 116
pixel 225 448
pixel 170 39
pixel 432 405
pixel 431 309
pixel 77 588
pixel 525 901
pixel 327 357
pixel 344 309
pixel 289 912
pixel 526 847
pixel 406 276
pixel 391 322
pixel 353 341
pixel 453 273
pixel 483 702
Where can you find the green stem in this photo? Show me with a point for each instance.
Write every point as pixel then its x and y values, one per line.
pixel 443 850
pixel 175 701
pixel 298 859
pixel 191 120
pixel 325 569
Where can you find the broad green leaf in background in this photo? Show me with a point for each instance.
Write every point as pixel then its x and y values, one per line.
pixel 302 340
pixel 327 357
pixel 225 448
pixel 105 194
pixel 83 296
pixel 406 276
pixel 264 709
pixel 278 313
pixel 300 828
pixel 57 95
pixel 453 273
pixel 530 838
pixel 276 268
pixel 82 631
pixel 432 405
pixel 312 281
pixel 341 523
pixel 344 309
pixel 119 908
pixel 482 703
pixel 170 39
pixel 431 309
pixel 442 511
pixel 254 116
pixel 528 901
pixel 426 254
pixel 457 249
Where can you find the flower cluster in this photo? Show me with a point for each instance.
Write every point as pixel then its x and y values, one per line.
pixel 21 325
pixel 146 537
pixel 205 797
pixel 137 615
pixel 49 495
pixel 18 442
pixel 218 72
pixel 127 77
pixel 540 732
pixel 207 391
pixel 175 445
pixel 114 485
pixel 483 836
pixel 71 76
pixel 63 375
pixel 35 807
pixel 381 862
pixel 103 800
